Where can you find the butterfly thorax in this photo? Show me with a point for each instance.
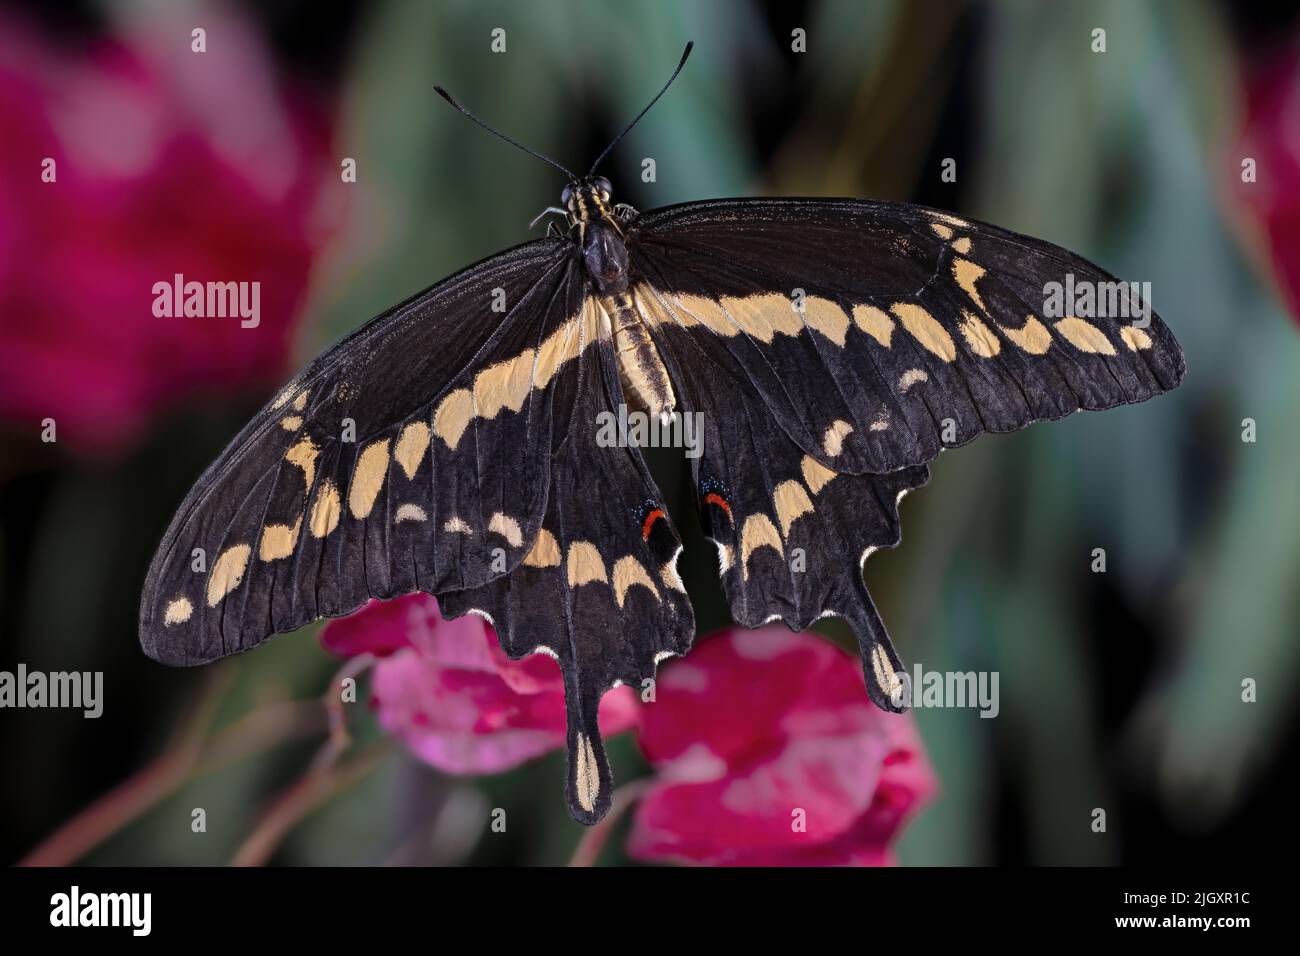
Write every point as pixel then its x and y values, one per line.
pixel 604 255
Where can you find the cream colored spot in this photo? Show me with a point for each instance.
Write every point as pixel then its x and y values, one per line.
pixel 875 322
pixel 178 612
pixel 284 396
pixel 453 415
pixel 560 346
pixel 764 316
pixel 926 330
pixel 726 555
pixel 545 552
pixel 585 564
pixel 325 510
pixel 815 474
pixel 1085 336
pixel 300 402
pixel 791 502
pixel 890 684
pixel 507 527
pixel 827 318
pixel 291 423
pixel 596 324
pixel 759 532
pixel 457 525
pixel 227 572
pixel 412 443
pixel 966 273
pixel 278 540
pixel 367 478
pixel 669 576
pixel 1033 337
pixel 962 245
pixel 410 512
pixel 586 774
pixel 881 422
pixel 1135 338
pixel 979 336
pixel 942 231
pixel 913 376
pixel 504 385
pixel 700 310
pixel 304 456
pixel 628 571
pixel 833 440
pixel 949 219
pixel 653 312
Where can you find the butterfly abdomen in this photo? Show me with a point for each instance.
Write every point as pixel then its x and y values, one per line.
pixel 641 369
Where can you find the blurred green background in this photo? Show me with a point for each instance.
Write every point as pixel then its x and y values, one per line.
pixel 1119 690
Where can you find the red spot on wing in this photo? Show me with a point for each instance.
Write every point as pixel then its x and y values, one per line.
pixel 650 520
pixel 713 498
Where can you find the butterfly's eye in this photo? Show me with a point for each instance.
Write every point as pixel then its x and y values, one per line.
pixel 566 197
pixel 602 187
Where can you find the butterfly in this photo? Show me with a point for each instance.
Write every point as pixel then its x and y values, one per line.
pixel 829 349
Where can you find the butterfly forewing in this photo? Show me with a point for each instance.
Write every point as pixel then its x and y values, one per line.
pixel 915 328
pixel 414 455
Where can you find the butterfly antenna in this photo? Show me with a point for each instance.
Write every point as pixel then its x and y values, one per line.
pixel 531 152
pixel 601 158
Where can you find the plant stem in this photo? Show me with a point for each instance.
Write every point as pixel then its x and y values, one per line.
pixel 593 841
pixel 308 792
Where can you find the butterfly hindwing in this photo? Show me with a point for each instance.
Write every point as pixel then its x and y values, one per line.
pixel 598 588
pixel 792 534
pixel 917 329
pixel 402 459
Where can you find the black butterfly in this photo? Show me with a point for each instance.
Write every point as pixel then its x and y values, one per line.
pixel 833 347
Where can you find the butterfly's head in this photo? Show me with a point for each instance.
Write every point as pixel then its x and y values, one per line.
pixel 587 198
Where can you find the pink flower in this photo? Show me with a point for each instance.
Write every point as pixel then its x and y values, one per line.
pixel 165 162
pixel 450 693
pixel 1271 137
pixel 767 751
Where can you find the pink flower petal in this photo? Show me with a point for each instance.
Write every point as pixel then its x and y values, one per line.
pixel 769 752
pixel 450 693
pixel 151 182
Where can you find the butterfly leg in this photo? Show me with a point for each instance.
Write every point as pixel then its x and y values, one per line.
pixel 549 211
